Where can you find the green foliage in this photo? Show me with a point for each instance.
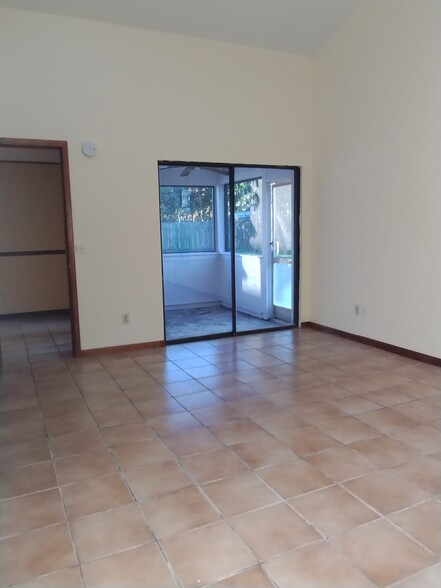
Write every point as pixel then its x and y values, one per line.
pixel 247 201
pixel 186 203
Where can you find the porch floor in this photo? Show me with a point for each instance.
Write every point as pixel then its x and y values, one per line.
pixel 200 322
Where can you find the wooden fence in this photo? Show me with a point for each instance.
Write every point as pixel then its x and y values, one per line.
pixel 187 236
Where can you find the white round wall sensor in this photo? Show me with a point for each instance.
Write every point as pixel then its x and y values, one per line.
pixel 89 149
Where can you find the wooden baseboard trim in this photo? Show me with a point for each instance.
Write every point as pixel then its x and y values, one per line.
pixel 374 343
pixel 122 348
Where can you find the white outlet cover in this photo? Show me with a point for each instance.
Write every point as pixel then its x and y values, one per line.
pixel 89 149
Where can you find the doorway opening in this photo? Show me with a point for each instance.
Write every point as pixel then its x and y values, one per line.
pixel 38 292
pixel 228 273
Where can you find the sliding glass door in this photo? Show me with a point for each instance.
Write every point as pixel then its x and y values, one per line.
pixel 229 236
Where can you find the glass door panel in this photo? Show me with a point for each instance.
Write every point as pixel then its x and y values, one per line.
pixel 251 230
pixel 196 267
pixel 282 251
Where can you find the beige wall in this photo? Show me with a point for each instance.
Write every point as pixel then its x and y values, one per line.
pixel 143 96
pixel 373 235
pixel 31 284
pixel 377 175
pixel 32 219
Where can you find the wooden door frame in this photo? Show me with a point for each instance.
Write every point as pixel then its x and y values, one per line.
pixel 68 222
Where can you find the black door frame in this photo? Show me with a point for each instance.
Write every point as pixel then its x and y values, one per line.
pixel 296 249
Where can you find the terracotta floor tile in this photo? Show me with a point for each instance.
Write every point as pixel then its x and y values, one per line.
pixel 306 440
pixel 273 530
pixel 290 397
pixel 384 451
pixel 213 465
pixel 173 423
pixel 255 406
pixel 70 407
pixel 207 554
pixel 34 554
pixel 318 412
pixel 355 405
pixel 166 376
pixel 18 432
pixel 423 437
pixel 108 532
pixel 358 384
pixel 87 465
pixel 383 552
pixel 325 392
pixel 428 578
pixel 341 463
pixel 332 510
pixel 417 389
pixel 73 443
pixel 178 512
pixel 95 495
pixel 26 513
pixel 157 479
pixel 348 430
pixel 126 434
pixel 292 478
pixel 263 452
pixel 253 375
pixel 303 380
pixel 18 401
pixel 387 420
pixel 237 431
pixel 15 455
pixel 254 577
pixel 199 400
pixel 423 522
pixel 215 415
pixel 144 566
pixel 432 378
pixel 145 392
pixel 72 423
pixel 191 362
pixel 315 566
pixel 387 397
pixel 424 472
pixel 240 494
pixel 385 379
pixel 420 410
pixel 21 425
pixel 158 407
pixel 31 478
pixel 67 578
pixel 101 403
pixel 141 453
pixel 193 441
pixel 385 491
pixel 235 391
pixel 116 415
pixel 184 388
pixel 435 400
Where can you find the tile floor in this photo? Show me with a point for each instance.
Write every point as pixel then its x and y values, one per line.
pixel 290 459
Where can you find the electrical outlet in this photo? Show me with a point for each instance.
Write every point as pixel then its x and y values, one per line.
pixel 126 318
pixel 357 310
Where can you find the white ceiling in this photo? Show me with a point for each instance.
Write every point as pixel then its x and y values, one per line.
pixel 296 26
